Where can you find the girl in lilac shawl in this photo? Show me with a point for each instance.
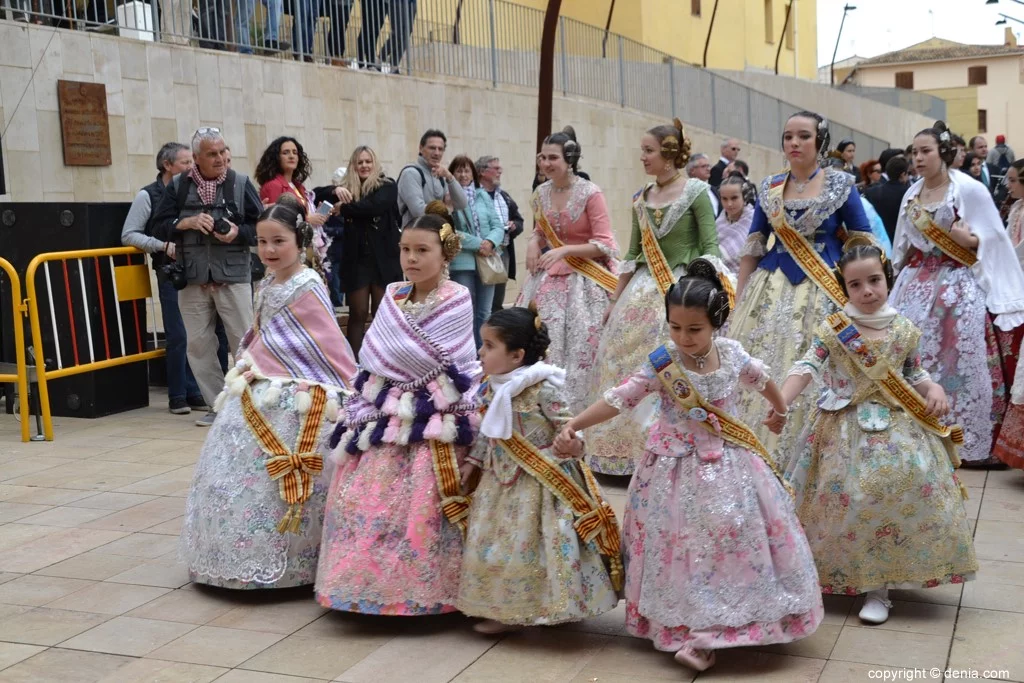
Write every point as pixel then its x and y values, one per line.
pixel 392 541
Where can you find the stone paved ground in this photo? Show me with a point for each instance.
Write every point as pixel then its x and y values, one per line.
pixel 90 590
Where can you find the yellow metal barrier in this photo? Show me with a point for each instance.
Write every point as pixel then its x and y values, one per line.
pixel 128 283
pixel 21 373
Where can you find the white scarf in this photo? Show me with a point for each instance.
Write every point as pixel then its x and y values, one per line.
pixel 497 423
pixel 879 320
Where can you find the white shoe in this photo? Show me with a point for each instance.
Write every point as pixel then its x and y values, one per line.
pixel 876 607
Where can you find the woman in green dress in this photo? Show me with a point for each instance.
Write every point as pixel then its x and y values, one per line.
pixel 676 212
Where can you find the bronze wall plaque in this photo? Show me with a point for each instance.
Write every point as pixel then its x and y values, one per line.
pixel 83 123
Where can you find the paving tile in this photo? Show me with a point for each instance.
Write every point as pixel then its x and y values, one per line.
pixel 816 646
pixel 852 672
pixel 190 607
pixel 1005 479
pixel 166 573
pixel 425 658
pixel 148 546
pixel 47 496
pixel 999 541
pixel 890 648
pixel 946 594
pixel 109 598
pixel 635 658
pixel 987 640
pixel 128 636
pixel 741 664
pixel 97 565
pixel 217 646
pixel 173 483
pixel 324 658
pixel 47 626
pixel 161 671
pixel 535 655
pixel 140 516
pixel 972 478
pixel 912 617
pixel 12 512
pixel 837 608
pixel 1002 505
pixel 589 675
pixel 66 666
pixel 242 676
pixel 66 516
pixel 285 618
pixel 53 548
pixel 109 500
pixel 171 527
pixel 12 653
pixel 37 590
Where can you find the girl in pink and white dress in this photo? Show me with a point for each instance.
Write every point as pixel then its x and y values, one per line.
pixel 715 556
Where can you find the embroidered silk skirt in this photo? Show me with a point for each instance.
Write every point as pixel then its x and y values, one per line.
pixel 715 555
pixel 775 321
pixel 961 348
pixel 387 546
pixel 229 536
pixel 573 307
pixel 881 509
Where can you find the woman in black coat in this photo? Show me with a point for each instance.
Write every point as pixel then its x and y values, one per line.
pixel 367 200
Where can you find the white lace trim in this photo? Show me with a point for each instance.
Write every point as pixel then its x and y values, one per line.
pixel 754 246
pixel 815 210
pixel 693 189
pixel 605 249
pixel 579 194
pixel 627 267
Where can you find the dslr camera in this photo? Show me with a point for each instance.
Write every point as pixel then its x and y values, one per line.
pixel 174 271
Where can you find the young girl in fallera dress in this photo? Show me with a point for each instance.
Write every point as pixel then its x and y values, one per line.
pixel 715 556
pixel 532 555
pixel 255 511
pixel 874 482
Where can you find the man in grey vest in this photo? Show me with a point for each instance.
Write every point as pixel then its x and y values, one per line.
pixel 210 214
pixel 428 180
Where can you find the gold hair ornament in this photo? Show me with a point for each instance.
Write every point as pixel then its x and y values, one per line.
pixel 670 147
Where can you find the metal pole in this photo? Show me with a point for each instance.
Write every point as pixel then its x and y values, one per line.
pixel 565 63
pixel 832 68
pixel 785 25
pixel 622 76
pixel 494 49
pixel 672 84
pixel 607 26
pixel 714 109
pixel 547 70
pixel 707 42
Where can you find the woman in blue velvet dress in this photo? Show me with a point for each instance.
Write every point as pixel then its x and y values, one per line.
pixel 779 307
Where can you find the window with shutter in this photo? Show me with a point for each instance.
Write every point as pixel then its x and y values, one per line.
pixel 905 80
pixel 982 120
pixel 977 75
pixel 695 7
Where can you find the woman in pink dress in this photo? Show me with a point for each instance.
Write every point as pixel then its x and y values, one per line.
pixel 572 262
pixel 395 516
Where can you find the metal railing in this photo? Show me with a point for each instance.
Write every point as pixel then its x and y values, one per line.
pixel 99 309
pixel 20 375
pixel 484 40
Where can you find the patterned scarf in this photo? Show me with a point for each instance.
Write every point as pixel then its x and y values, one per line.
pixel 207 189
pixel 501 206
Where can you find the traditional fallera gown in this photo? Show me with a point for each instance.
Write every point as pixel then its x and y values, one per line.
pixel 1010 444
pixel 970 317
pixel 240 530
pixel 876 491
pixel 571 304
pixel 524 562
pixel 780 307
pixel 732 235
pixel 715 556
pixel 393 527
pixel 685 230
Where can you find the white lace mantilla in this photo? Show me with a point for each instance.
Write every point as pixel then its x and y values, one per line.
pixel 274 296
pixel 807 215
pixel 693 189
pixel 576 204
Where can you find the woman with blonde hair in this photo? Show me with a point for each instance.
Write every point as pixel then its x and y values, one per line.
pixel 368 202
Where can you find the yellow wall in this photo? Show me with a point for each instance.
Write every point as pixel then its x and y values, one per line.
pixel 961 109
pixel 1002 97
pixel 737 42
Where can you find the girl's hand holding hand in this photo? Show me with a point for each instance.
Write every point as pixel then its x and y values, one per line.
pixel 553 256
pixel 532 256
pixel 563 442
pixel 573 449
pixel 962 235
pixel 466 473
pixel 775 421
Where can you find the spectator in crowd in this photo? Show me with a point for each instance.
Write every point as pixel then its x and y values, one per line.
pixel 368 202
pixel 979 145
pixel 210 214
pixel 700 167
pixel 1001 156
pixel 972 166
pixel 887 196
pixel 883 161
pixel 182 391
pixel 870 172
pixel 733 223
pixel 227 156
pixel 428 180
pixel 481 233
pixel 848 152
pixel 243 19
pixel 737 166
pixel 339 11
pixel 729 151
pixel 489 172
pixel 334 228
pixel 402 14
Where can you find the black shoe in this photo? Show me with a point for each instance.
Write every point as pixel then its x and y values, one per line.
pixel 197 403
pixel 179 406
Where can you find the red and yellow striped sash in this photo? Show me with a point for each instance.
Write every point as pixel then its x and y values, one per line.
pixel 454 505
pixel 922 220
pixel 584 266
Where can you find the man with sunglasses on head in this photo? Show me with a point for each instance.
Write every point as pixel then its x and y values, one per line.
pixel 730 150
pixel 210 213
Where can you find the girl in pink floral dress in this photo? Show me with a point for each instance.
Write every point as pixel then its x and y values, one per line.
pixel 715 556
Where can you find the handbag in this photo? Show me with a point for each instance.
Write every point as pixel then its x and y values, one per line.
pixel 491 269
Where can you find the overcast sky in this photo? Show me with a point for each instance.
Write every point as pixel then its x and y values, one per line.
pixel 880 26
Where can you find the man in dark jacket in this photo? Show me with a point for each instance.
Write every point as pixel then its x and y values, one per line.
pixel 887 196
pixel 489 169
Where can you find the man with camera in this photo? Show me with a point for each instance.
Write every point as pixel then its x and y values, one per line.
pixel 210 215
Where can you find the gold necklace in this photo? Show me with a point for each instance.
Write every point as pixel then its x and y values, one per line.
pixel 669 181
pixel 701 358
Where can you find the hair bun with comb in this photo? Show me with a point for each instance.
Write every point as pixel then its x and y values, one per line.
pixel 702 268
pixel 859 239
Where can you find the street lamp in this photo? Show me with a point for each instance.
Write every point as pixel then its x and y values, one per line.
pixel 847 8
pixel 996 2
pixel 1002 22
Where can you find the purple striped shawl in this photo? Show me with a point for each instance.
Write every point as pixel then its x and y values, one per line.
pixel 302 342
pixel 411 353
